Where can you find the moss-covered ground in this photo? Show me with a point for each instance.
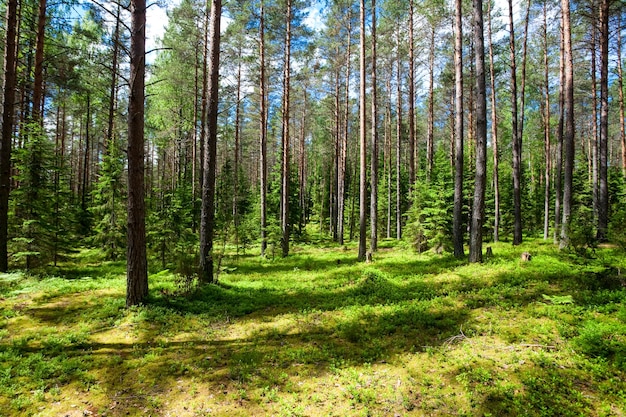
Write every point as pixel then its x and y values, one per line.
pixel 318 334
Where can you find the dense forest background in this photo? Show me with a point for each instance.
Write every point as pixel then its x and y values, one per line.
pixel 301 84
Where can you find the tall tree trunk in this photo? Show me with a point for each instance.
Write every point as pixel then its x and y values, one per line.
pixel 113 85
pixel 603 186
pixel 592 151
pixel 517 151
pixel 568 120
pixel 285 172
pixel 558 160
pixel 411 96
pixel 136 260
pixel 398 142
pixel 494 134
pixel 362 141
pixel 204 105
pixel 207 214
pixel 546 126
pixel 457 230
pixel 302 164
pixel 620 84
pixel 478 208
pixel 343 153
pixel 8 113
pixel 263 130
pixel 38 85
pixel 374 151
pixel 430 140
pixel 235 202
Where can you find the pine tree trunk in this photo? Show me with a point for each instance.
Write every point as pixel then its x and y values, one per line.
pixel 459 251
pixel 362 142
pixel 207 214
pixel 285 171
pixel 478 208
pixel 398 142
pixel 603 186
pixel 8 113
pixel 620 83
pixel 136 260
pixel 263 131
pixel 558 162
pixel 411 96
pixel 374 151
pixel 568 121
pixel 546 126
pixel 343 154
pixel 494 134
pixel 517 158
pixel 430 139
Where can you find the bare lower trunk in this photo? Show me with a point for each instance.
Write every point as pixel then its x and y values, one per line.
pixel 459 251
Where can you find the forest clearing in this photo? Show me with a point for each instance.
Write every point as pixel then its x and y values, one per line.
pixel 319 334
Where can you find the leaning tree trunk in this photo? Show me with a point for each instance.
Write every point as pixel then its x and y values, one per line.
pixel 8 112
pixel 207 214
pixel 136 260
pixel 478 208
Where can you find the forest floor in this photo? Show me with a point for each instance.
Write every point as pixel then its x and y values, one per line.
pixel 318 334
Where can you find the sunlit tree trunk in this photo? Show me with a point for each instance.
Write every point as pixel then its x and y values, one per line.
pixel 558 161
pixel 568 120
pixel 478 208
pixel 263 130
pixel 494 134
pixel 362 141
pixel 546 126
pixel 517 157
pixel 411 96
pixel 374 151
pixel 285 162
pixel 343 153
pixel 207 213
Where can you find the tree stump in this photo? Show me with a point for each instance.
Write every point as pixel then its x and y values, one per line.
pixel 489 253
pixel 526 256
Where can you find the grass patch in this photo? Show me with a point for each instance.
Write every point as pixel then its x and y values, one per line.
pixel 319 334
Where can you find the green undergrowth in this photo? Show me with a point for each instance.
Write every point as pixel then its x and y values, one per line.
pixel 318 333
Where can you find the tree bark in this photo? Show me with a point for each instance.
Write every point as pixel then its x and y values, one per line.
pixel 362 142
pixel 558 177
pixel 568 120
pixel 207 214
pixel 546 126
pixel 517 158
pixel 398 141
pixel 411 96
pixel 136 260
pixel 374 151
pixel 459 251
pixel 263 130
pixel 343 153
pixel 478 208
pixel 494 134
pixel 603 186
pixel 8 113
pixel 285 162
pixel 430 139
pixel 620 83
